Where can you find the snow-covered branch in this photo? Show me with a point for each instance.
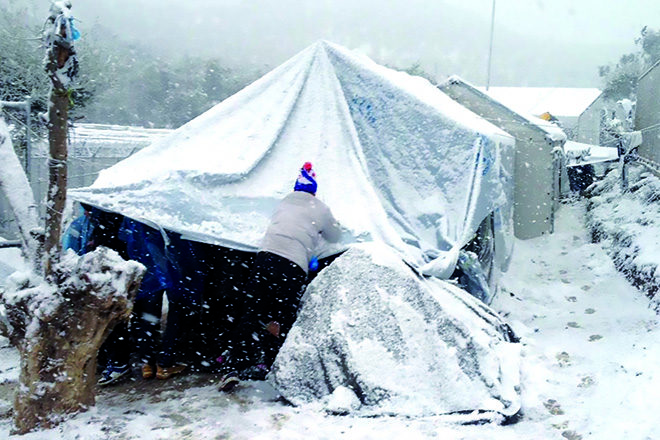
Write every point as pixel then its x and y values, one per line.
pixel 14 184
pixel 58 36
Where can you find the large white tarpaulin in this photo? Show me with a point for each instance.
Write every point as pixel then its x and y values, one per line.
pixel 396 159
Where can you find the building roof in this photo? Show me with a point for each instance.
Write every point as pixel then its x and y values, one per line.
pixel 551 130
pixel 558 101
pixel 107 141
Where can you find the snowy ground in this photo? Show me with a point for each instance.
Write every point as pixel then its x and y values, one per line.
pixel 10 261
pixel 591 369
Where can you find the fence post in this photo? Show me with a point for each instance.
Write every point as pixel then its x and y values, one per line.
pixel 28 142
pixel 557 164
pixel 622 164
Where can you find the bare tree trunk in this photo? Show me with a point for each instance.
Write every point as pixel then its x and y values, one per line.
pixel 57 170
pixel 58 324
pixel 59 330
pixel 61 66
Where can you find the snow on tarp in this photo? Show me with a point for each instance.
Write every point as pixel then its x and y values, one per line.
pixel 578 153
pixel 373 338
pixel 397 161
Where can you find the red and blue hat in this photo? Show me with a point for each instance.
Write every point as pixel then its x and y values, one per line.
pixel 306 180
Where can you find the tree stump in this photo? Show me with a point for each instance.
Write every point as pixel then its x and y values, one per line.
pixel 58 329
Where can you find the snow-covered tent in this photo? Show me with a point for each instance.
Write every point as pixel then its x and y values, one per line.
pixel 397 160
pixel 538 157
pixel 399 163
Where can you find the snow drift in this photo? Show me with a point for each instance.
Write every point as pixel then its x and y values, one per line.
pixel 625 223
pixel 374 338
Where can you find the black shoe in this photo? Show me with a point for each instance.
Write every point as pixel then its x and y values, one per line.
pixel 255 372
pixel 113 375
pixel 228 382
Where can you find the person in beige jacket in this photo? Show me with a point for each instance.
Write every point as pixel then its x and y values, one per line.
pixel 278 280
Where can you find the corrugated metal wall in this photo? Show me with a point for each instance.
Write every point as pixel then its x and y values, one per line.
pixel 590 121
pixel 647 117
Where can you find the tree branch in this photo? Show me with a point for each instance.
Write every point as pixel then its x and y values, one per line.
pixel 14 184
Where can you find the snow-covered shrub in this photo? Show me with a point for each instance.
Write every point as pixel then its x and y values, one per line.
pixel 626 224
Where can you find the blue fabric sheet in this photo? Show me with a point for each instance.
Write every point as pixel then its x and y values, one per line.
pixel 147 246
pixel 78 236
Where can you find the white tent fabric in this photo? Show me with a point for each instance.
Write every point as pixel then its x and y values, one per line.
pixel 396 160
pixel 578 153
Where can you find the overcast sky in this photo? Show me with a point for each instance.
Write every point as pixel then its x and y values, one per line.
pixel 536 43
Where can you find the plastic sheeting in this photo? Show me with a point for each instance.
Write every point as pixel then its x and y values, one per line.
pixel 403 345
pixel 397 161
pixel 578 154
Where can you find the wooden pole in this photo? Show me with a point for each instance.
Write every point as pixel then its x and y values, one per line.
pixel 57 174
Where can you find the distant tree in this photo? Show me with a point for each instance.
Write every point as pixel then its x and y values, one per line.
pixel 650 42
pixel 416 69
pixel 21 59
pixel 22 70
pixel 621 79
pixel 153 91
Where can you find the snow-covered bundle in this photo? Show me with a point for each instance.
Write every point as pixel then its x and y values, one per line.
pixel 626 224
pixel 60 33
pixel 374 338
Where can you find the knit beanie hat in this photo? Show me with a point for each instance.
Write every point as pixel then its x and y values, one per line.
pixel 306 180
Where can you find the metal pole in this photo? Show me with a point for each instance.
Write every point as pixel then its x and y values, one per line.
pixel 490 49
pixel 10 243
pixel 28 122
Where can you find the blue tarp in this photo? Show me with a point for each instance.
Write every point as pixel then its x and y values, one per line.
pixel 172 263
pixel 147 246
pixel 78 235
